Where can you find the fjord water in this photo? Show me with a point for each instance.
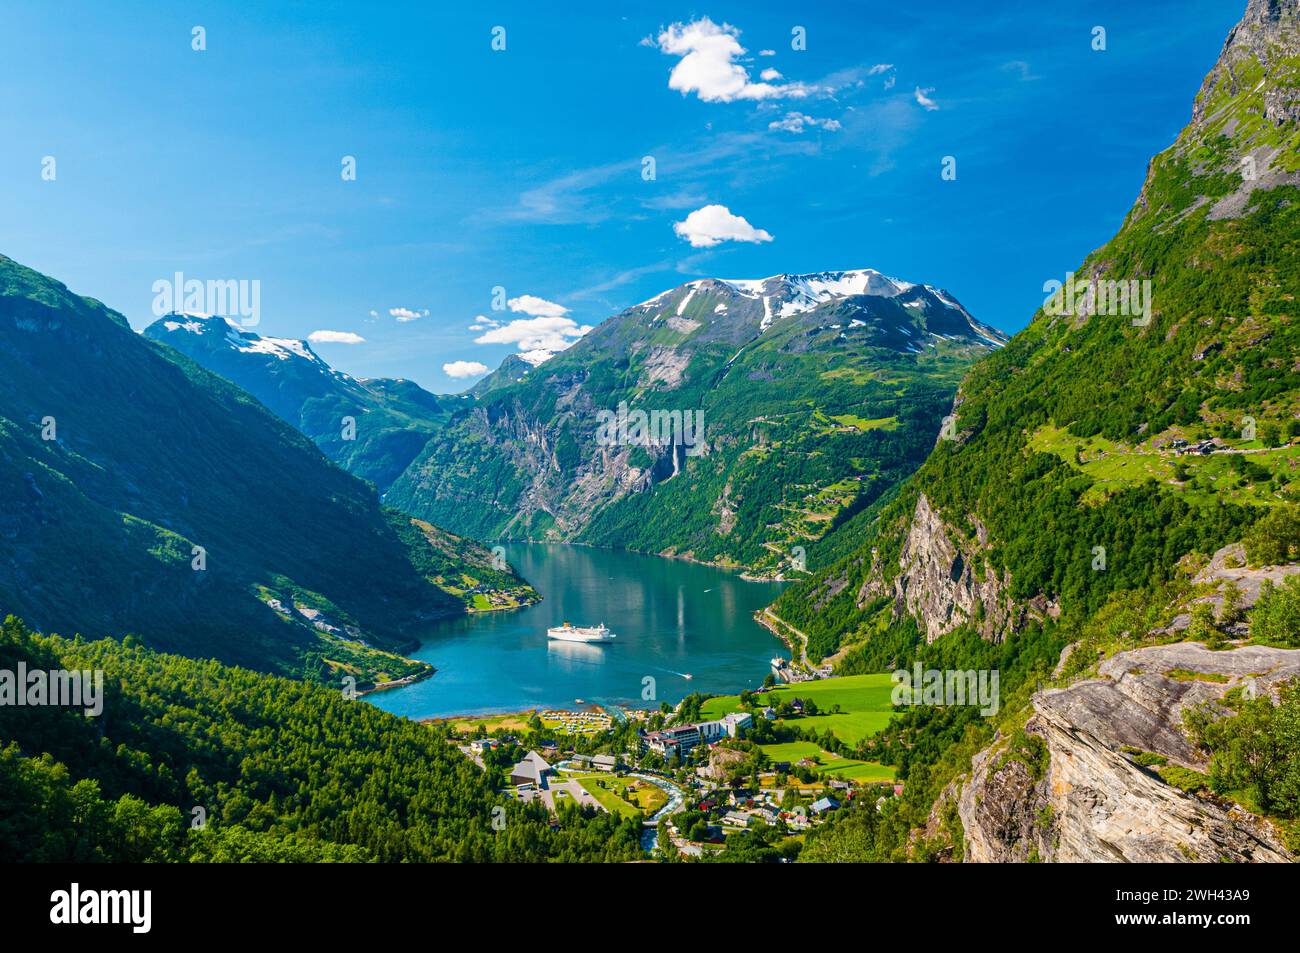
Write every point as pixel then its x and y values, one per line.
pixel 671 617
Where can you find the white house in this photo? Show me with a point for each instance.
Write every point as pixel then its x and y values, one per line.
pixel 737 723
pixel 711 731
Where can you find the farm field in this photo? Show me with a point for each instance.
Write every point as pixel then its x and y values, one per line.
pixel 864 701
pixel 829 765
pixel 1205 478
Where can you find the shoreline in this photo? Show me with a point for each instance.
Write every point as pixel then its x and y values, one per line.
pixel 525 714
pixel 411 679
pixel 735 569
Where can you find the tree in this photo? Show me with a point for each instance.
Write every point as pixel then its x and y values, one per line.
pixel 1276 617
pixel 1275 538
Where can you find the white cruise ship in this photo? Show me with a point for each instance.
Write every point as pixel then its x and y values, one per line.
pixel 578 633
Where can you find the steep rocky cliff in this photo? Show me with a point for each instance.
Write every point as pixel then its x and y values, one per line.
pixel 944 580
pixel 1093 796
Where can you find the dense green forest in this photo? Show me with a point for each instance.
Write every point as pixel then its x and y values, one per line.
pixel 282 770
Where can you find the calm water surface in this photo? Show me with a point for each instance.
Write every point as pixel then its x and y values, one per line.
pixel 671 618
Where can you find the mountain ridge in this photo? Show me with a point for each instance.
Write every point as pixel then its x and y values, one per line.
pixel 142 493
pixel 372 427
pixel 770 366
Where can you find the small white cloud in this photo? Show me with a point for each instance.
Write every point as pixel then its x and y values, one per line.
pixel 548 334
pixel 537 307
pixel 463 369
pixel 482 323
pixel 406 314
pixel 769 75
pixel 1021 67
pixel 767 52
pixel 708 64
pixel 374 313
pixel 714 224
pixel 923 98
pixel 335 337
pixel 797 122
pixel 888 71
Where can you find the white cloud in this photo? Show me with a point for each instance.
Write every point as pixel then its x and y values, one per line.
pixel 769 75
pixel 1021 67
pixel 462 369
pixel 923 98
pixel 708 64
pixel 335 337
pixel 536 334
pixel 406 314
pixel 482 322
pixel 537 307
pixel 797 122
pixel 888 71
pixel 713 224
pixel 767 52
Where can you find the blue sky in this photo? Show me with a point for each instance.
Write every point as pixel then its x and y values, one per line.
pixel 522 168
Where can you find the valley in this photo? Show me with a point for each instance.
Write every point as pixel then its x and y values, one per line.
pixel 817 567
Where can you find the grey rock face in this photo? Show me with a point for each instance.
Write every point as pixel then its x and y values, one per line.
pixel 1094 803
pixel 938 582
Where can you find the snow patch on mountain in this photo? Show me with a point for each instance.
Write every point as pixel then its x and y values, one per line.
pixel 242 340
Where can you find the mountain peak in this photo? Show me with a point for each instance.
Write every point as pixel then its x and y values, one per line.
pixel 767 301
pixel 222 332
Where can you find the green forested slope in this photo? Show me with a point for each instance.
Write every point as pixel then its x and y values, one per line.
pixel 390 420
pixel 1066 438
pixel 283 770
pixel 119 456
pixel 1066 435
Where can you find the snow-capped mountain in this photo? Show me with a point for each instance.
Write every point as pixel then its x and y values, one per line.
pixel 206 332
pixel 818 392
pixel 782 296
pixel 393 418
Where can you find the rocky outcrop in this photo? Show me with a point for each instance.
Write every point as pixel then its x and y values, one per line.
pixel 1004 811
pixel 1093 800
pixel 1226 574
pixel 1267 38
pixel 944 583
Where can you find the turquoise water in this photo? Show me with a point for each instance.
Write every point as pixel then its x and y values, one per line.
pixel 671 618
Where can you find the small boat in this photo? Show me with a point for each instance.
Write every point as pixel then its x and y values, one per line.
pixel 687 675
pixel 578 633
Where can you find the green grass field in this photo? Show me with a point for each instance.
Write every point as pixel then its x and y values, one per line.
pixel 864 700
pixel 648 797
pixel 1210 478
pixel 829 765
pixel 863 423
pixel 864 771
pixel 792 751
